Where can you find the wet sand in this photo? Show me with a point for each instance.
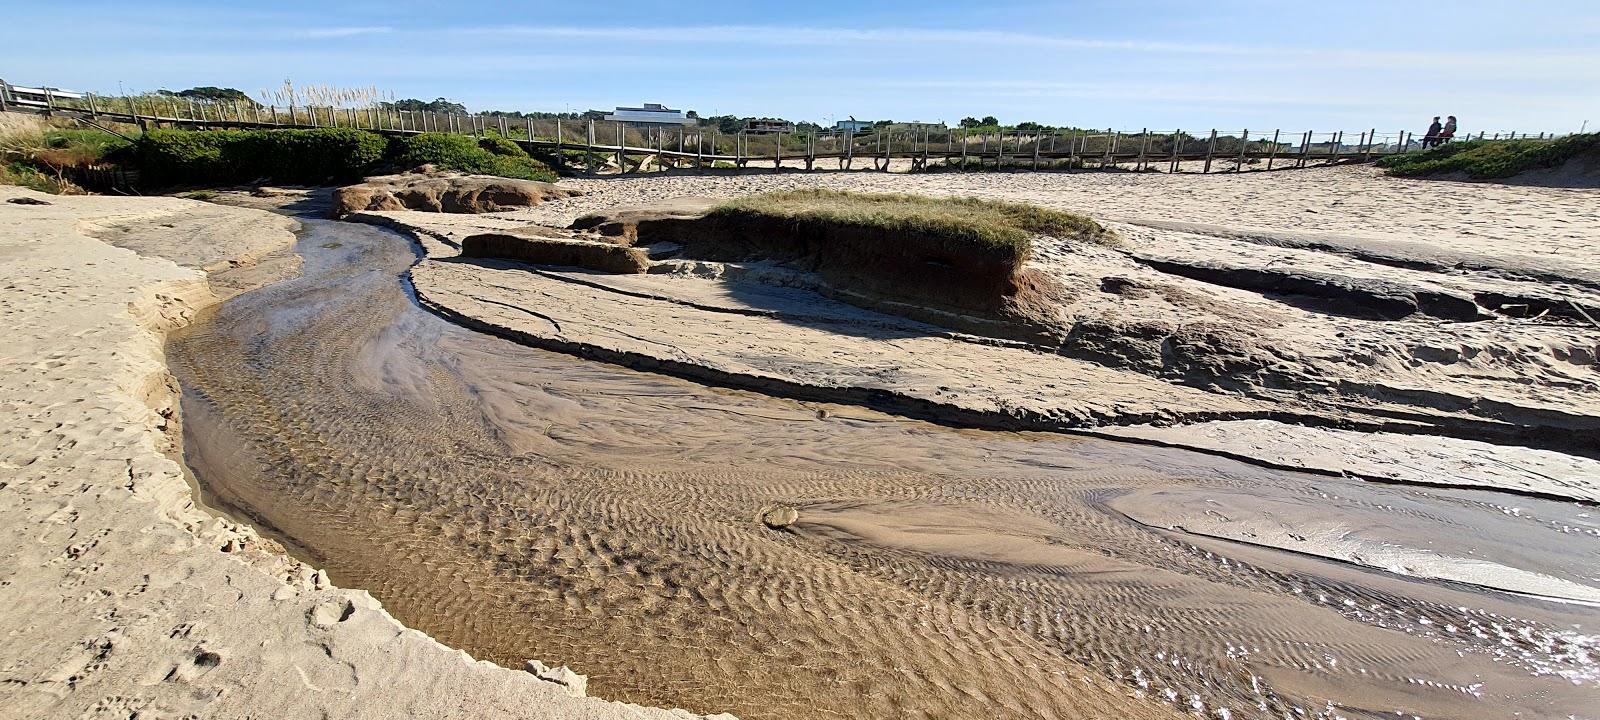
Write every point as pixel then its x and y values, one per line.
pixel 119 598
pixel 516 503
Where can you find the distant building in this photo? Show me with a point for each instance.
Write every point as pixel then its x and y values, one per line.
pixel 651 115
pixel 767 125
pixel 853 125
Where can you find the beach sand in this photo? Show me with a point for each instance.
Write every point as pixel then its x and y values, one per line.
pixel 119 597
pixel 1164 341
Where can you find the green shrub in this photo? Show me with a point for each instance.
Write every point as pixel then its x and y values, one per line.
pixel 28 176
pixel 85 146
pixel 501 146
pixel 171 157
pixel 464 154
pixel 1489 159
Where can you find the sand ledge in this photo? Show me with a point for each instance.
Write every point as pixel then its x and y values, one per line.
pixel 117 594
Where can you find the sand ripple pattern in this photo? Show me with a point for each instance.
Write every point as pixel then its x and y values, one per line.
pixel 521 504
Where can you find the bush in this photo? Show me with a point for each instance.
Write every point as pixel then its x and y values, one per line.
pixel 463 154
pixel 28 176
pixel 171 157
pixel 48 160
pixel 501 146
pixel 1490 159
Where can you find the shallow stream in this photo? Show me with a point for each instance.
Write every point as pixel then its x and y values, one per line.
pixel 519 504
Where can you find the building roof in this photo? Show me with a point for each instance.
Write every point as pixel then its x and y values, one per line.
pixel 648 107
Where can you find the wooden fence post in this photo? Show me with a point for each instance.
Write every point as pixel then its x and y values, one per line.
pixel 622 159
pixel 1244 143
pixel 1144 144
pixel 1211 147
pixel 1338 147
pixel 1273 153
pixel 1177 151
pixel 1305 148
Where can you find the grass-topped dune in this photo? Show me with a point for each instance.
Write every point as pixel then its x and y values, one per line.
pixel 953 255
pixel 962 224
pixel 1498 159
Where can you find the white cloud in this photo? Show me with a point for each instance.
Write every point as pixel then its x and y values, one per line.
pixel 784 35
pixel 933 40
pixel 340 32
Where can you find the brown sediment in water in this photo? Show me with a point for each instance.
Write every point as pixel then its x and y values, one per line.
pixel 517 504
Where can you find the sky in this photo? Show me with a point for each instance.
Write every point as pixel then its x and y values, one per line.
pixel 1530 66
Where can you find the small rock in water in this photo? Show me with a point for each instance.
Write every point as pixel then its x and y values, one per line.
pixel 780 517
pixel 575 684
pixel 822 414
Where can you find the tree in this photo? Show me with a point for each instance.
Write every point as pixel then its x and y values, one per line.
pixel 970 122
pixel 1031 128
pixel 439 105
pixel 725 124
pixel 989 120
pixel 210 94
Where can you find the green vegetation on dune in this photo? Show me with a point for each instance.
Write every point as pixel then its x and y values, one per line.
pixel 493 156
pixel 1490 159
pixel 174 157
pixel 50 160
pixel 987 225
pixel 44 159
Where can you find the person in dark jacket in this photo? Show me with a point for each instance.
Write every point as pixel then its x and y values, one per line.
pixel 1432 138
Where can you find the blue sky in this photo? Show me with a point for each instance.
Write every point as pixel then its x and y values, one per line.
pixel 1232 64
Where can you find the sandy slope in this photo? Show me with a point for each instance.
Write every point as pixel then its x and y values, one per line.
pixel 1241 355
pixel 118 597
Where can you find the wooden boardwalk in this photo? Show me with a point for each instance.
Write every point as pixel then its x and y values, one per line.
pixel 634 148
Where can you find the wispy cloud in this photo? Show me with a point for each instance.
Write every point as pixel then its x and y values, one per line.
pixel 340 32
pixel 791 35
pixel 1552 62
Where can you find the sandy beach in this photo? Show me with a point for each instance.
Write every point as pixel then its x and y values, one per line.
pixel 121 597
pixel 1270 361
pixel 473 442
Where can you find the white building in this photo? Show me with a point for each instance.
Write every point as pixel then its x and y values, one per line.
pixel 651 115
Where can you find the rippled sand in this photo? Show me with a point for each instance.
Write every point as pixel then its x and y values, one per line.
pixel 521 504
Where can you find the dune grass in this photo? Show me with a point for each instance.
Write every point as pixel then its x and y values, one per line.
pixel 1490 159
pixel 43 158
pixel 988 225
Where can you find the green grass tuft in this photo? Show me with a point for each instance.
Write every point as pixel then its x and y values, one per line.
pixel 464 154
pixel 1490 159
pixel 988 225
